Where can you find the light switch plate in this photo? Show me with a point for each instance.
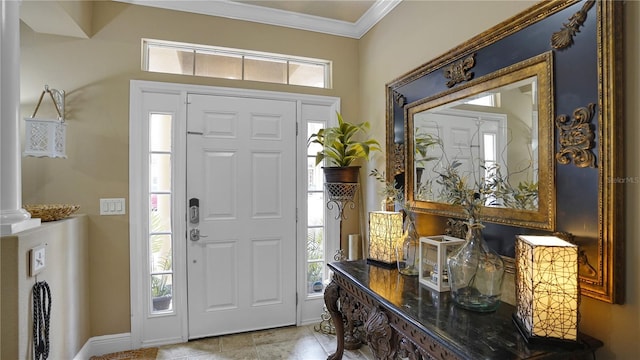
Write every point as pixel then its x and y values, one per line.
pixel 37 260
pixel 115 206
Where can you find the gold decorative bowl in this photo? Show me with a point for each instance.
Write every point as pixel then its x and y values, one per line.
pixel 51 212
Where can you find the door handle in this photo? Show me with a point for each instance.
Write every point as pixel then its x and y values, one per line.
pixel 194 235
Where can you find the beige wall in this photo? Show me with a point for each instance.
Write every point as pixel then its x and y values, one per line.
pixel 416 32
pixel 95 73
pixel 66 272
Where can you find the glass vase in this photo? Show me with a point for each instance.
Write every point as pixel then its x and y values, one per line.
pixel 475 273
pixel 407 248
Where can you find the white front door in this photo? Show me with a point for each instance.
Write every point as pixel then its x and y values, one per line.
pixel 241 167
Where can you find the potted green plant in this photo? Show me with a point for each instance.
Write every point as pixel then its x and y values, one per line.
pixel 340 147
pixel 161 292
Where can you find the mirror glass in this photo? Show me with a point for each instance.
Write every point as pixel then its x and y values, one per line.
pixel 494 132
pixel 491 137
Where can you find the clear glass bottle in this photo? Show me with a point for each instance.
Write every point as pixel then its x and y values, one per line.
pixel 407 248
pixel 475 273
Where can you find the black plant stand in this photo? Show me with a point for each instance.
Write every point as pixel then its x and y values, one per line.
pixel 342 195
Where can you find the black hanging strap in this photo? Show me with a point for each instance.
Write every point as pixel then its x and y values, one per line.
pixel 41 318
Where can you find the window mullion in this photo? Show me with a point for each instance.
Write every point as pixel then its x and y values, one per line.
pixel 243 59
pixel 288 75
pixel 193 65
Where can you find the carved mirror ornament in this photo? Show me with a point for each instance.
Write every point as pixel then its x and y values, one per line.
pixel 576 137
pixel 399 99
pixel 564 38
pixel 459 71
pixel 398 159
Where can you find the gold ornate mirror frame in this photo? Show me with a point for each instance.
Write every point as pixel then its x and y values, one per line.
pixel 588 147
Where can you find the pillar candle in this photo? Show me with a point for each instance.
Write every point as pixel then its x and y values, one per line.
pixel 354 247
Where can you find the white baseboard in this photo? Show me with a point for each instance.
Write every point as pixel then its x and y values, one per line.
pixel 105 344
pixel 166 341
pixel 310 321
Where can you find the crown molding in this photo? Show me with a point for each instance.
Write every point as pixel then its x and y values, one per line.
pixel 264 15
pixel 376 12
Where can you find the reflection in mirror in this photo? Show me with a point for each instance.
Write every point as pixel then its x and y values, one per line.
pixel 496 132
pixel 490 137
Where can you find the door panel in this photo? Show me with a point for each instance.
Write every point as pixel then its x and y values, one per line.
pixel 219 200
pixel 266 261
pixel 241 165
pixel 267 186
pixel 222 295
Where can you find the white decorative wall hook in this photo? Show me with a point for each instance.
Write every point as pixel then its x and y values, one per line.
pixel 46 137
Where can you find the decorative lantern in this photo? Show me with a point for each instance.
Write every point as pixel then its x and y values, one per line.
pixel 385 229
pixel 46 137
pixel 547 293
pixel 434 251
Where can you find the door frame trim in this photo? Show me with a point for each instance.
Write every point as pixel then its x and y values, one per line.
pixel 137 206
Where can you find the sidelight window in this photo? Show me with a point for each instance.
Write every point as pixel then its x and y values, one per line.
pixel 160 241
pixel 316 230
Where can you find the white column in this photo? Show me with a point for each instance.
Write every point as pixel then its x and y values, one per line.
pixel 12 217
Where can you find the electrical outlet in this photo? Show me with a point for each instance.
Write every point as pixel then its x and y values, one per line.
pixel 37 259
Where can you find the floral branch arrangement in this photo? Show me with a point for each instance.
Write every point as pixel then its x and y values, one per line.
pixel 491 190
pixel 524 196
pixel 475 270
pixel 456 189
pixel 391 191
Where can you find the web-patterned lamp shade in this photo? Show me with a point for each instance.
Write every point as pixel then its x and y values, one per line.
pixel 385 228
pixel 547 292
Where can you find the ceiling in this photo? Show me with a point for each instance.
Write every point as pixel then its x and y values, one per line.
pixel 349 18
pixel 346 10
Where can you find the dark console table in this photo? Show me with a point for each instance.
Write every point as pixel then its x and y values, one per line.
pixel 399 318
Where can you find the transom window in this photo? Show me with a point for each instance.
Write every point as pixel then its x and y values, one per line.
pixel 227 63
pixel 492 100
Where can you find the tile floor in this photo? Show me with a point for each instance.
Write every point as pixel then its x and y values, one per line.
pixel 288 343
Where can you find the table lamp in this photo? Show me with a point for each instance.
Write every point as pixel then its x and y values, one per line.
pixel 385 229
pixel 547 292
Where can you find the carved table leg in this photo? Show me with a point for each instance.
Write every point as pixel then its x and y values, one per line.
pixel 351 342
pixel 331 295
pixel 348 308
pixel 379 335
